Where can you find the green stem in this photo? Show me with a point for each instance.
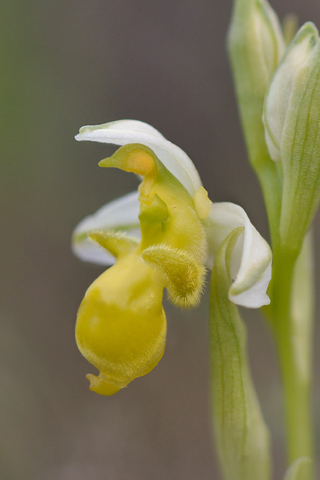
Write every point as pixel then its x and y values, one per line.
pixel 270 183
pixel 291 313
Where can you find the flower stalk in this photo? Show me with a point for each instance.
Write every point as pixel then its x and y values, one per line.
pixel 291 317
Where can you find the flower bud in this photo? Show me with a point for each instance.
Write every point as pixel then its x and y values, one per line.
pixel 255 31
pixel 256 46
pixel 266 33
pixel 291 119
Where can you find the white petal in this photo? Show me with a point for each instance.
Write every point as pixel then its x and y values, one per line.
pixel 133 131
pixel 251 262
pixel 121 214
pixel 255 296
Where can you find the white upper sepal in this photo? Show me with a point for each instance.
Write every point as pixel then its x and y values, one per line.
pixel 279 99
pixel 266 35
pixel 120 215
pixel 252 257
pixel 123 132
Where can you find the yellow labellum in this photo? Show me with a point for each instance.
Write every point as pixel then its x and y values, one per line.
pixel 121 325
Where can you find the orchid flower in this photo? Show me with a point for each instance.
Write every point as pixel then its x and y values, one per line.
pixel 162 236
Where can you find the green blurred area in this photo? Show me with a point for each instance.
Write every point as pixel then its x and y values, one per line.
pixel 64 65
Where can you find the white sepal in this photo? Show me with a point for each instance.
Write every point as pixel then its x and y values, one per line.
pixel 121 215
pixel 266 35
pixel 123 132
pixel 251 261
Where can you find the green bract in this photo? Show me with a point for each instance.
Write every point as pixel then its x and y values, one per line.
pixel 242 437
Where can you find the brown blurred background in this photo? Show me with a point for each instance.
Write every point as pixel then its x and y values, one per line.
pixel 70 63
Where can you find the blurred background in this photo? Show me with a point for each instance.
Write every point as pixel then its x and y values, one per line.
pixel 70 63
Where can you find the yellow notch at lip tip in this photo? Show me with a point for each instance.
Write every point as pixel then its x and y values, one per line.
pixel 101 385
